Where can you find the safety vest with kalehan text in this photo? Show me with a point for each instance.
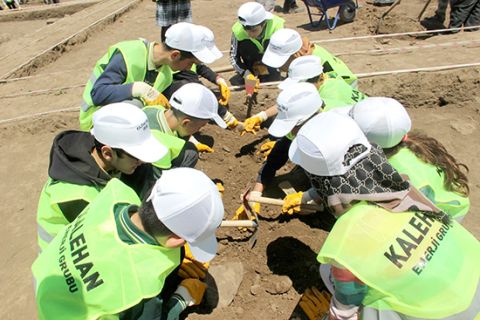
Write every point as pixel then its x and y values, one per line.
pixel 431 182
pixel 336 93
pixel 412 264
pixel 87 272
pixel 135 55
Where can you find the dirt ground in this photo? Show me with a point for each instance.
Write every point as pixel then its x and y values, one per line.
pixel 445 104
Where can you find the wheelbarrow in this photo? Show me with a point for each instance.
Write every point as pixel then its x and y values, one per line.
pixel 346 11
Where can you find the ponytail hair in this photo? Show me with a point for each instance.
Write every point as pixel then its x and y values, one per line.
pixel 431 151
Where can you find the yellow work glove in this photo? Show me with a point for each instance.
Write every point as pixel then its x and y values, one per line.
pixel 192 291
pixel 252 124
pixel 191 268
pixel 224 91
pixel 160 100
pixel 292 202
pixel 315 304
pixel 201 147
pixel 230 120
pixel 148 94
pixel 241 213
pixel 265 149
pixel 220 187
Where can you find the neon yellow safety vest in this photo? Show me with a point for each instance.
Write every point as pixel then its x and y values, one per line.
pixel 135 54
pixel 50 219
pixel 87 272
pixel 412 264
pixel 274 24
pixel 335 93
pixel 171 141
pixel 430 181
pixel 338 66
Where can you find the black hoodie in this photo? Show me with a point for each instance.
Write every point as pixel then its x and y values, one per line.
pixel 71 161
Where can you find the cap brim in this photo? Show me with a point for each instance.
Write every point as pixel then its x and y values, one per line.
pixel 219 121
pixel 150 150
pixel 268 15
pixel 300 158
pixel 204 250
pixel 280 128
pixel 273 60
pixel 287 82
pixel 206 55
pixel 216 52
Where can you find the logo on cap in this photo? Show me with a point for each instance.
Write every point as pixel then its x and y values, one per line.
pixel 143 126
pixel 281 107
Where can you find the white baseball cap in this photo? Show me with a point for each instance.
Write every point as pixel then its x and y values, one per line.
pixel 191 38
pixel 282 45
pixel 124 126
pixel 210 41
pixel 295 104
pixel 322 143
pixel 383 120
pixel 301 69
pixel 188 203
pixel 252 14
pixel 197 101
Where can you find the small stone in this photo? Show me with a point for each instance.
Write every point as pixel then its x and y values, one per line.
pixel 223 283
pixel 226 149
pixel 51 21
pixel 279 284
pixel 256 289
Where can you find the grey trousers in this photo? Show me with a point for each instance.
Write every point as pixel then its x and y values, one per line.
pixel 464 12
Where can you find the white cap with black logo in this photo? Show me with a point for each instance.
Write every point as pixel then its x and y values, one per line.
pixel 197 101
pixel 124 126
pixel 192 38
pixel 282 45
pixel 188 203
pixel 252 14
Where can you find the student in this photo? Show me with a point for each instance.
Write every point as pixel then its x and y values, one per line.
pixel 335 92
pixel 426 162
pixel 296 105
pixel 393 254
pixel 139 69
pixel 81 164
pixel 192 107
pixel 286 45
pixel 113 259
pixel 250 37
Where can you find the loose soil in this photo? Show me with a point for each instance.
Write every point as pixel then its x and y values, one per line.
pixel 446 105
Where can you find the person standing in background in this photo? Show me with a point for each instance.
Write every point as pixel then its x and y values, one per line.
pixel 170 12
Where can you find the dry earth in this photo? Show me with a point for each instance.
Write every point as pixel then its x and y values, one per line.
pixel 444 104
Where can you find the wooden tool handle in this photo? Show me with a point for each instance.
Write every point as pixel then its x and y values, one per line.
pixel 239 223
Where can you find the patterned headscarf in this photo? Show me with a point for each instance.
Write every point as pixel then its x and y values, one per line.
pixel 371 179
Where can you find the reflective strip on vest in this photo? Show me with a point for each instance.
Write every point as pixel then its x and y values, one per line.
pixel 87 272
pixel 412 264
pixel 43 234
